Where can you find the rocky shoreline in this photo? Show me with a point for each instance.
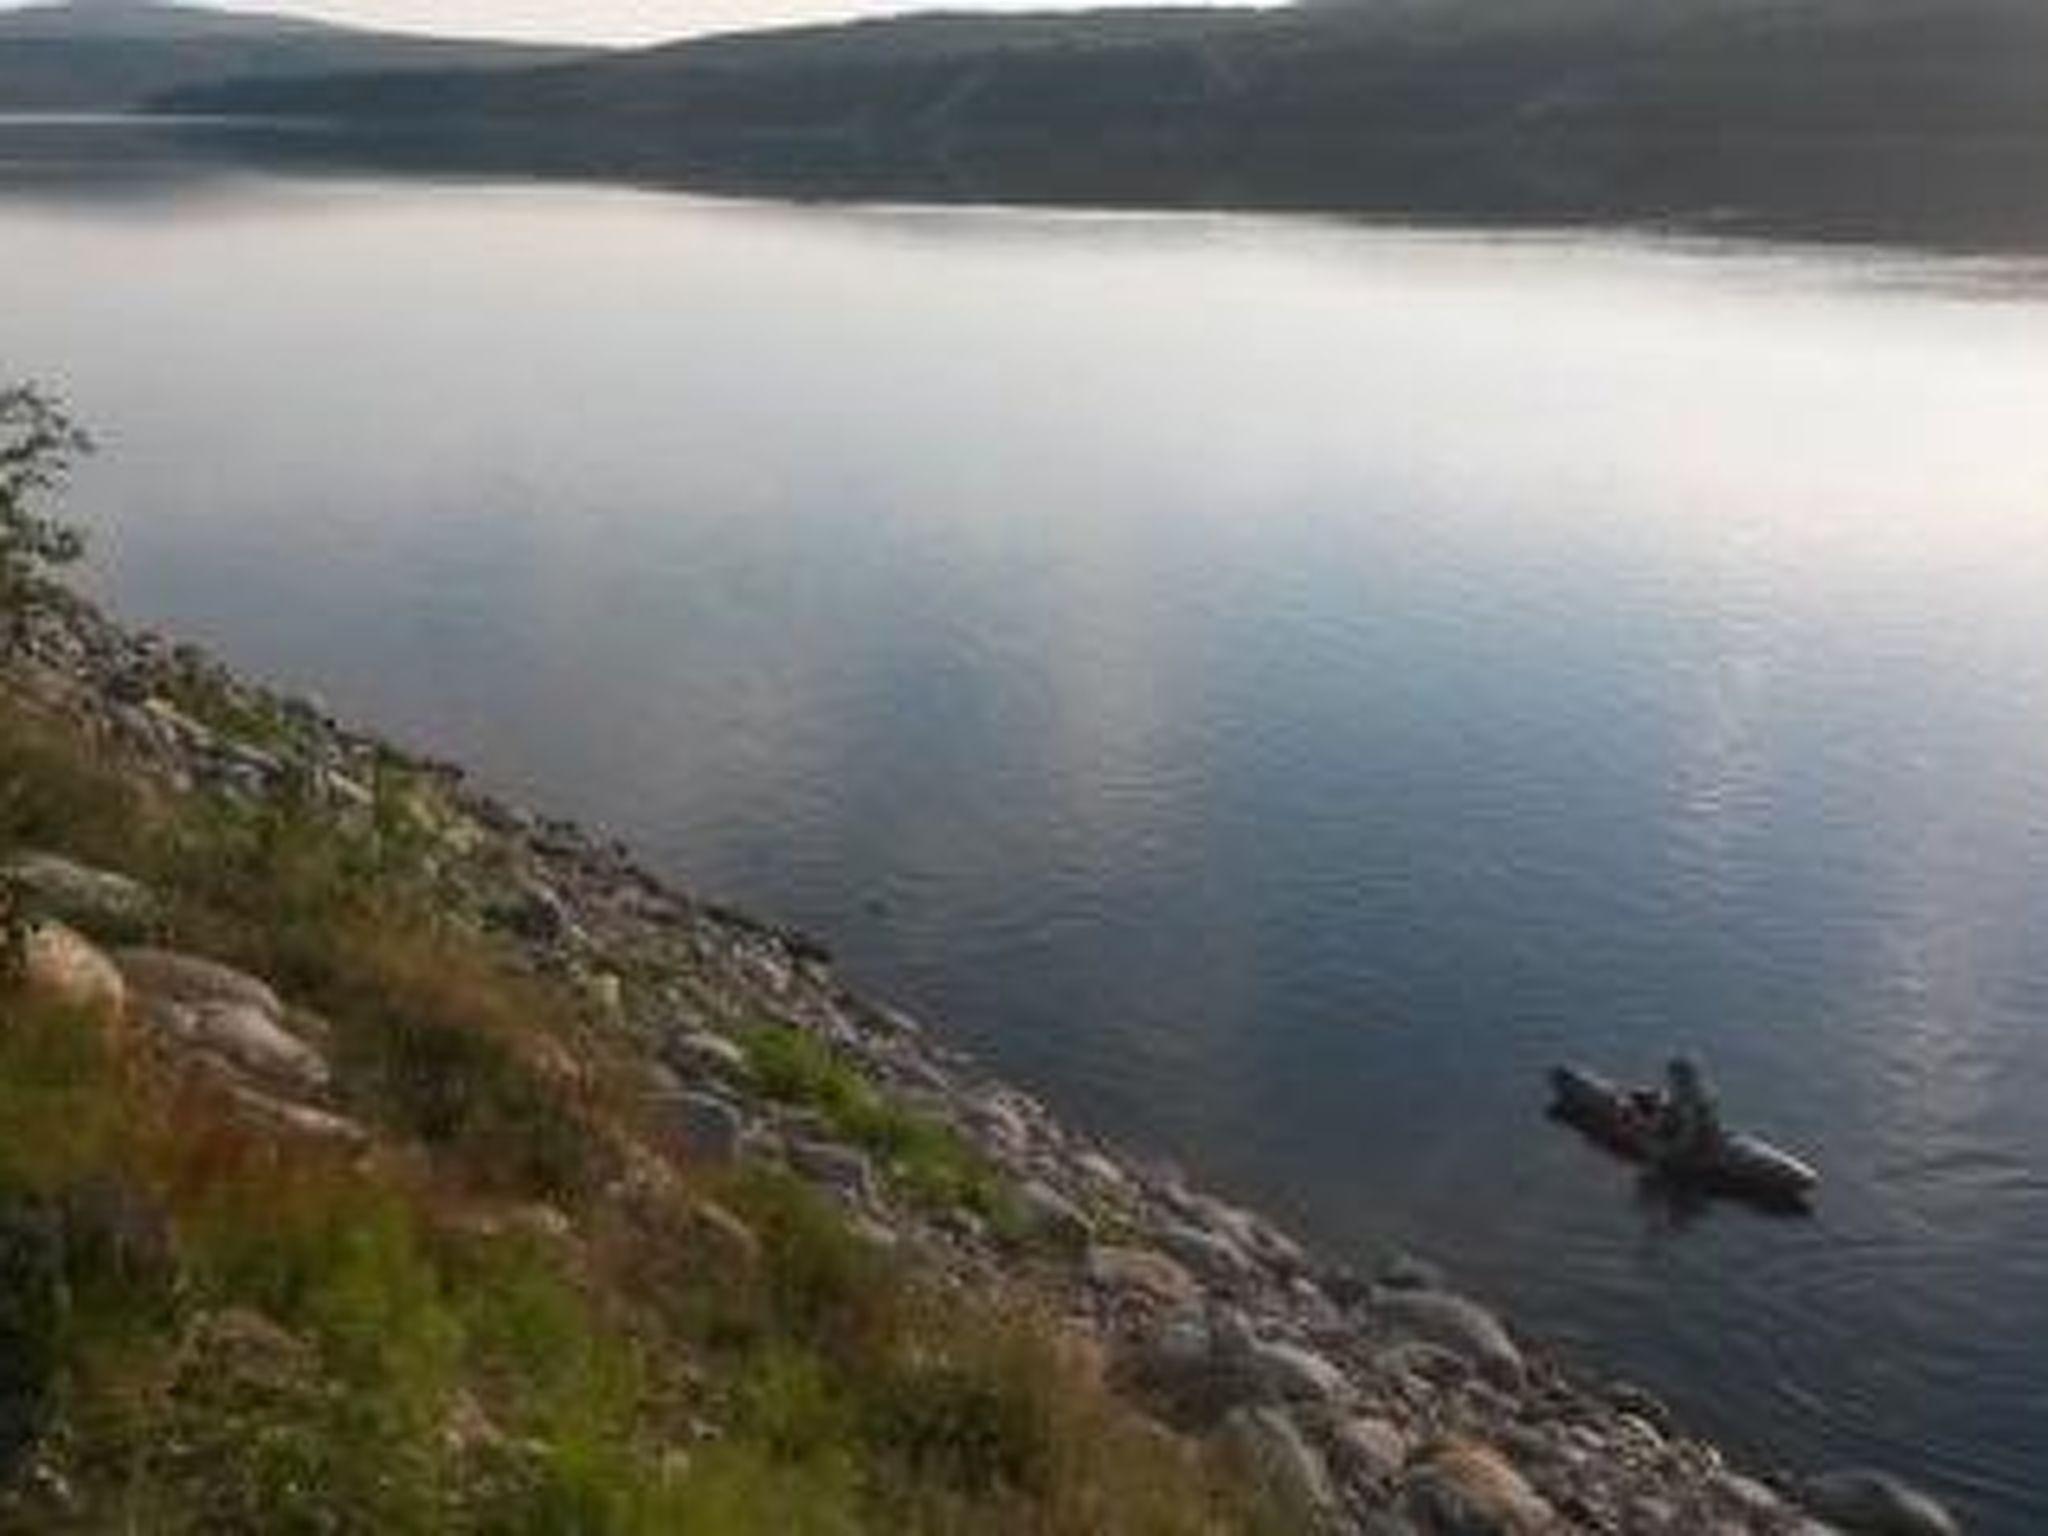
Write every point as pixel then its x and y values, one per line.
pixel 1387 1405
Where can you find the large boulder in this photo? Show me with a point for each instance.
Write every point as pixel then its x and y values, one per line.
pixel 189 979
pixel 109 905
pixel 1453 1323
pixel 231 1020
pixel 249 1042
pixel 1866 1503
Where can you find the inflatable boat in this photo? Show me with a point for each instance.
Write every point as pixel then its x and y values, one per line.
pixel 1744 1167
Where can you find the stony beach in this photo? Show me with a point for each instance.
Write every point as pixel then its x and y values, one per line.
pixel 1381 1403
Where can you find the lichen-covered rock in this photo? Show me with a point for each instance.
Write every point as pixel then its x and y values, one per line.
pixel 99 901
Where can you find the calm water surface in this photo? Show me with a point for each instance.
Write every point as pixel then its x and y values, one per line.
pixel 1274 687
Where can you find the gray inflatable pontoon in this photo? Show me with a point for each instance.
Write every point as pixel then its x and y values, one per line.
pixel 1744 1167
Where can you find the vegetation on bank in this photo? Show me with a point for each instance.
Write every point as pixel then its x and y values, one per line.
pixel 514 1307
pixel 1916 120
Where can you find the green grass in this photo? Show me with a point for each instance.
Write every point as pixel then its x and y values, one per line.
pixel 925 1159
pixel 209 1330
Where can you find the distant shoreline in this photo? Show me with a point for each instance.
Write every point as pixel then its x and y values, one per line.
pixel 803 168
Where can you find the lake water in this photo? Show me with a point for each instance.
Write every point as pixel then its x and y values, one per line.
pixel 1274 687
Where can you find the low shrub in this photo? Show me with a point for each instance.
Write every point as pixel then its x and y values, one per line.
pixel 926 1159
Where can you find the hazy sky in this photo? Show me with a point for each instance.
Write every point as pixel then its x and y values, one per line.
pixel 600 20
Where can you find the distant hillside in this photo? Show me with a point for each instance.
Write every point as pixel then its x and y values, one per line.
pixel 1863 116
pixel 113 55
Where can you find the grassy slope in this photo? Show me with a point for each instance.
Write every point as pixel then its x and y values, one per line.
pixel 513 1313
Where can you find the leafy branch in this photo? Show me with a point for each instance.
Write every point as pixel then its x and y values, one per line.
pixel 39 445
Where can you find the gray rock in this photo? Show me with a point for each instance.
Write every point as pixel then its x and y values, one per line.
pixel 1867 1503
pixel 1420 1361
pixel 189 979
pixel 726 1234
pixel 242 1037
pixel 1275 1248
pixel 709 1128
pixel 98 901
pixel 1280 1460
pixel 699 1053
pixel 1054 1214
pixel 1440 1318
pixel 1747 1496
pixel 844 1170
pixel 1140 1270
pixel 177 727
pixel 1369 1450
pixel 344 792
pixel 874 1233
pixel 539 913
pixel 1100 1170
pixel 300 1121
pixel 1652 1515
pixel 1214 1257
pixel 1642 1403
pixel 1001 1127
pixel 1294 1374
